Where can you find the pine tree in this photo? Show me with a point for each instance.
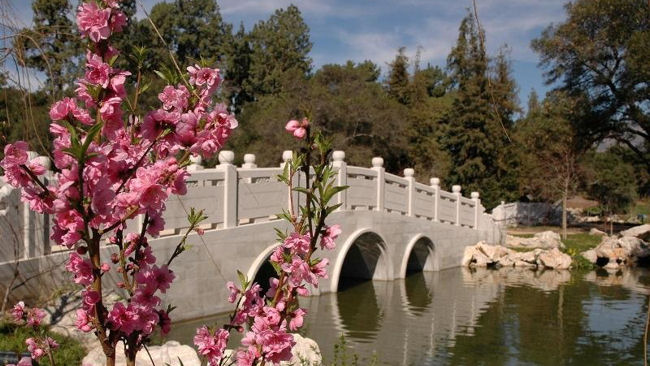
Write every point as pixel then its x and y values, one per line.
pixel 478 123
pixel 398 83
pixel 280 47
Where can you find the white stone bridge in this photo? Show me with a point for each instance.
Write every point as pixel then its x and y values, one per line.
pixel 391 226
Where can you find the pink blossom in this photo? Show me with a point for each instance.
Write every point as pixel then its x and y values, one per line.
pixel 18 311
pixel 15 154
pixel 97 71
pixel 155 278
pixel 329 235
pixel 82 322
pixel 246 357
pixel 234 291
pixel 93 21
pixel 320 268
pixel 174 98
pixel 35 316
pixel 276 346
pixel 297 242
pixel 296 128
pixel 123 318
pixel 40 347
pixel 297 319
pixel 211 345
pixel 81 269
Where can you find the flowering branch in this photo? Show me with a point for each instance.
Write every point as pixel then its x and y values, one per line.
pixel 271 316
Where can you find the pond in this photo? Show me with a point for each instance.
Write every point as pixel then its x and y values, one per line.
pixel 482 317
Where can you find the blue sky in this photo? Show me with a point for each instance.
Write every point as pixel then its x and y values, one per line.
pixel 374 29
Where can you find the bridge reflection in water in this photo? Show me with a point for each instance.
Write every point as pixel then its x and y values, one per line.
pixel 463 317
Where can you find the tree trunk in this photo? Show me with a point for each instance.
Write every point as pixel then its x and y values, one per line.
pixel 611 224
pixel 564 199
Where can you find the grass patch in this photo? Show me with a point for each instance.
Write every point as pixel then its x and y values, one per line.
pixel 641 207
pixel 581 242
pixel 12 339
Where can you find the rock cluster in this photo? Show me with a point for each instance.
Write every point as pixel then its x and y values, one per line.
pixel 305 353
pixel 542 240
pixel 616 251
pixel 485 255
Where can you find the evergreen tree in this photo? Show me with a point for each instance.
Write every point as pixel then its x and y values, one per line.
pixel 475 137
pixel 398 83
pixel 192 29
pixel 238 70
pixel 280 45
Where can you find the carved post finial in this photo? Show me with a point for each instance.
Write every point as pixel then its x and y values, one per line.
pixel 409 172
pixel 338 155
pixel 456 188
pixel 475 195
pixel 249 161
pixel 377 162
pixel 226 157
pixel 287 155
pixel 435 182
pixel 196 163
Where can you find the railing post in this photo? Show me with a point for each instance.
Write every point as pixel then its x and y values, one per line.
pixel 456 190
pixel 338 161
pixel 435 184
pixel 196 163
pixel 408 174
pixel 287 156
pixel 477 205
pixel 378 166
pixel 226 159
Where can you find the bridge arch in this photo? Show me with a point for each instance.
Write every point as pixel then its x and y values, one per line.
pixel 419 256
pixel 262 267
pixel 362 255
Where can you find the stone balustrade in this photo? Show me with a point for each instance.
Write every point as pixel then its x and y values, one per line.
pixel 234 196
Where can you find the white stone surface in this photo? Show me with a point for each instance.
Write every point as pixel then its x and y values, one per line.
pixel 636 231
pixel 545 240
pixel 595 231
pixel 483 255
pixel 168 353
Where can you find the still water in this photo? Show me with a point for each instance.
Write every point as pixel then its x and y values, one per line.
pixel 482 317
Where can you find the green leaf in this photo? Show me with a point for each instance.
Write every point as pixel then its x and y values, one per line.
pixel 242 279
pixel 161 75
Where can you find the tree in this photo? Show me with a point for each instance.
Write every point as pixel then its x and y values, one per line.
pixel 279 45
pixel 599 54
pixel 192 29
pixel 398 83
pixel 52 45
pixel 549 151
pixel 610 181
pixel 476 135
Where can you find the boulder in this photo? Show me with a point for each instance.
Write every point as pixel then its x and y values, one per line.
pixel 554 259
pixel 637 231
pixel 595 231
pixel 590 255
pixel 305 353
pixel 543 240
pixel 167 354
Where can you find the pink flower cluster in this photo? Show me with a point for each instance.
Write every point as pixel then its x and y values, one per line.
pixel 40 347
pixel 31 316
pixel 275 313
pixel 297 128
pixel 111 168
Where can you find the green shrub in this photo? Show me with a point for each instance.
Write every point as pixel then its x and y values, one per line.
pixel 12 339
